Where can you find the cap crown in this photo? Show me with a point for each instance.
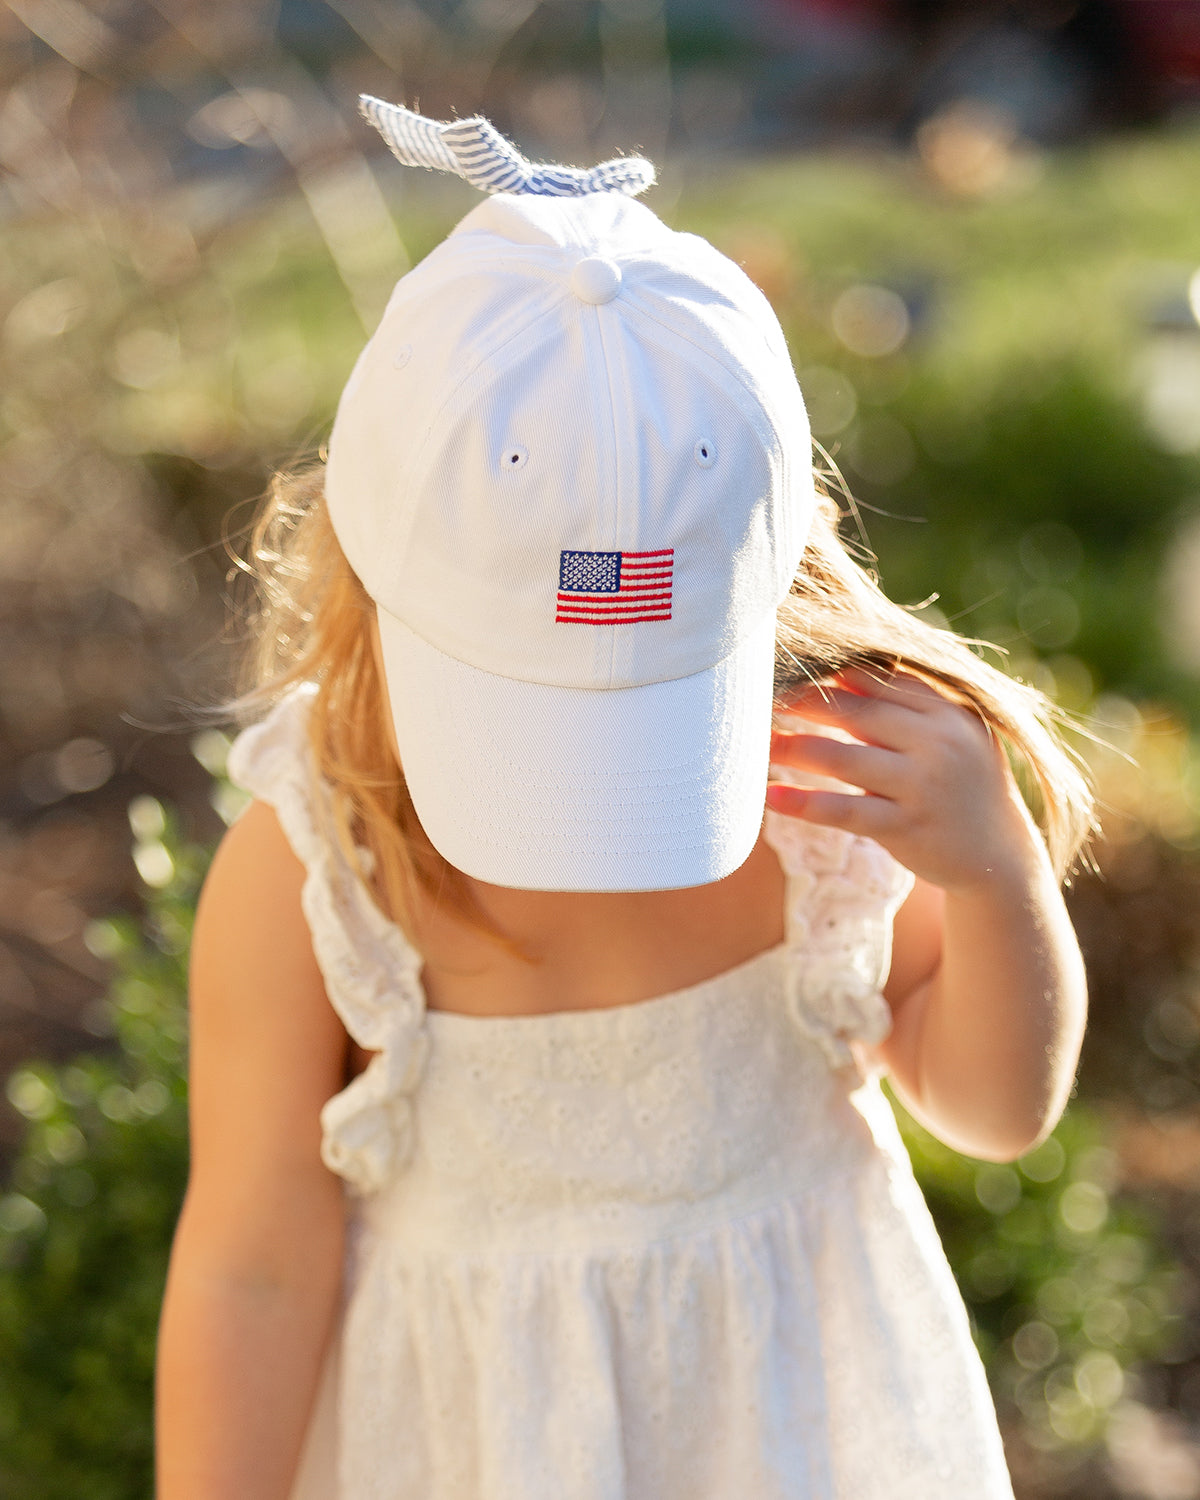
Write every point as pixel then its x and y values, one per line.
pixel 561 386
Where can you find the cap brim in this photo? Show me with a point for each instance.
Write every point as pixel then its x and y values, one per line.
pixel 545 788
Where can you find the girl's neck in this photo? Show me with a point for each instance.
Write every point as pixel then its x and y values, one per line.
pixel 594 950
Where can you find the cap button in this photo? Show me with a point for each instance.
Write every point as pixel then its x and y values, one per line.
pixel 596 280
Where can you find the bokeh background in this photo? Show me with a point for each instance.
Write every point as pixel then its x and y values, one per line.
pixel 980 226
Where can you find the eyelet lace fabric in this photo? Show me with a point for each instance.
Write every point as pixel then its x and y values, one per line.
pixel 671 1250
pixel 372 972
pixel 842 895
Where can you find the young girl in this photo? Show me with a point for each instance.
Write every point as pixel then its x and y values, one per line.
pixel 538 1147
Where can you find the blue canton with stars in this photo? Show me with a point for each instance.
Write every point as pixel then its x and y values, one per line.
pixel 590 572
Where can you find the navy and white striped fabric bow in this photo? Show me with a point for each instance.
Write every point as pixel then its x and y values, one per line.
pixel 476 150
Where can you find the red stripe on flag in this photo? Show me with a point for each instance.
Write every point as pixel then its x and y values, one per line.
pixel 644 596
pixel 635 596
pixel 599 606
pixel 608 619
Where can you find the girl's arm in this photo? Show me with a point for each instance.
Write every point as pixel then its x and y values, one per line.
pixel 256 1265
pixel 987 986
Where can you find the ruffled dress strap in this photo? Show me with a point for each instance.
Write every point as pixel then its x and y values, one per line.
pixel 372 971
pixel 843 892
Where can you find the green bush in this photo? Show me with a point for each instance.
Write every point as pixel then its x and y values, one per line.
pixel 1067 1284
pixel 1010 451
pixel 87 1218
pixel 1042 525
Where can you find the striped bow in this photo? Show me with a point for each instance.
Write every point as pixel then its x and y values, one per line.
pixel 476 150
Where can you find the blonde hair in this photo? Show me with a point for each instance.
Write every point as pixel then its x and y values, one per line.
pixel 311 622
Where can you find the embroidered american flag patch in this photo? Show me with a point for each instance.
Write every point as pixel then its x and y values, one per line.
pixel 614 588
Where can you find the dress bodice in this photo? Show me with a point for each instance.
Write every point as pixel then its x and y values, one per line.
pixel 842 892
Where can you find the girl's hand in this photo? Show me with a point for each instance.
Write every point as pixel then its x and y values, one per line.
pixel 937 792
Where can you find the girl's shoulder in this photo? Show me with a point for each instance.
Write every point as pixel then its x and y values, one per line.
pixel 370 969
pixel 250 928
pixel 259 1013
pixel 257 876
pixel 250 920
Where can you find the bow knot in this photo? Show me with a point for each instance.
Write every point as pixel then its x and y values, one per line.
pixel 475 150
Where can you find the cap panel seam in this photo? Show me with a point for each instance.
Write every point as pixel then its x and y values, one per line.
pixel 476 372
pixel 618 467
pixel 765 401
pixel 753 403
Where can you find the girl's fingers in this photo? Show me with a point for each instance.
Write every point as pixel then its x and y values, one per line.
pixel 871 767
pixel 872 719
pixel 871 817
pixel 894 687
pixel 897 687
pixel 889 711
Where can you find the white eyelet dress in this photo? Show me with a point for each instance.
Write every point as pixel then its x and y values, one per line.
pixel 666 1251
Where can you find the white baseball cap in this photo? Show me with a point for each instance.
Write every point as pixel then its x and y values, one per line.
pixel 572 468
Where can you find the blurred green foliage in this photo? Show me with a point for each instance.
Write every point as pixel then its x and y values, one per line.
pixel 1046 531
pixel 89 1209
pixel 1067 1284
pixel 1027 447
